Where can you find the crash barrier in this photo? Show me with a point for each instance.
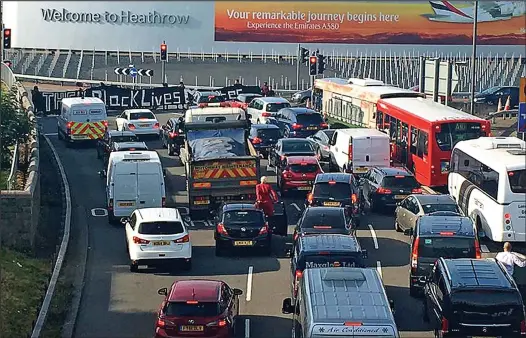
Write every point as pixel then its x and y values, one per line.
pixel 504 114
pixel 21 207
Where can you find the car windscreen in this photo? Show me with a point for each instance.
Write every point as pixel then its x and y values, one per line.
pixel 400 182
pixel 447 247
pixel 517 180
pixel 328 260
pixel 131 148
pixel 125 138
pixel 183 309
pixel 142 116
pixel 242 218
pixel 303 168
pixel 337 190
pixel 248 98
pixel 297 147
pixel 275 107
pixel 321 220
pixel 161 228
pixel 267 134
pixel 430 208
pixel 313 118
pixel 452 133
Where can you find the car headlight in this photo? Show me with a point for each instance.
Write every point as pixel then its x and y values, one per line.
pixel 296 96
pixel 479 99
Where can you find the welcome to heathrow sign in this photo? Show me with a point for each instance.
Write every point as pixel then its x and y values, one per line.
pixel 124 17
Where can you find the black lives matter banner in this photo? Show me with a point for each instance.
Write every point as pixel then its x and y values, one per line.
pixel 231 92
pixel 118 98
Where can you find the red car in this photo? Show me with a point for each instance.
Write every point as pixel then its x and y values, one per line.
pixel 297 173
pixel 198 308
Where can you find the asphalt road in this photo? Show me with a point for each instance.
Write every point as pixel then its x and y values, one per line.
pixel 117 303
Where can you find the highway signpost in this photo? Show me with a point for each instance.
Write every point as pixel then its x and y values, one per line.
pixel 521 116
pixel 438 79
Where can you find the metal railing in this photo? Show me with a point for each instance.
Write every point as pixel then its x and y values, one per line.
pixel 79 66
pixel 53 63
pixel 11 180
pixel 66 64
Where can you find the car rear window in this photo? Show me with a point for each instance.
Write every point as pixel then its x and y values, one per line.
pixel 142 116
pixel 269 134
pixel 275 107
pixel 337 190
pixel 128 148
pixel 430 208
pixel 400 182
pixel 211 99
pixel 243 218
pixel 125 138
pixel 328 261
pixel 330 220
pixel 313 118
pixel 297 146
pixel 248 98
pixel 517 181
pixel 183 309
pixel 447 247
pixel 494 306
pixel 304 168
pixel 161 228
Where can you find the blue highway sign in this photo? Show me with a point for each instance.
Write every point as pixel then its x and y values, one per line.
pixel 133 72
pixel 521 121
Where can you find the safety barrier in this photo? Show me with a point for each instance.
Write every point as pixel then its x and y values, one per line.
pixel 503 113
pixel 11 179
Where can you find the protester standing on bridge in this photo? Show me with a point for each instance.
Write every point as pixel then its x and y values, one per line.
pixel 509 259
pixel 38 100
pixel 265 197
pixel 265 89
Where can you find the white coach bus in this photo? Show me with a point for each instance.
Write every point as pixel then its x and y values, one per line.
pixel 488 181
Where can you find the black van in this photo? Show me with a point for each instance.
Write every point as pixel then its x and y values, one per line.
pixel 435 236
pixel 473 298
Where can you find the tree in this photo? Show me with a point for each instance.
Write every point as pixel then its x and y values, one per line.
pixel 14 125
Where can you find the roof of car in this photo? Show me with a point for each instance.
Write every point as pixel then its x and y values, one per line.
pixel 336 177
pixel 210 93
pixel 295 140
pixel 159 214
pixel 249 94
pixel 302 159
pixel 434 225
pixel 200 290
pixel 393 171
pixel 239 206
pixel 139 110
pixel 273 99
pixel 141 145
pixel 301 110
pixel 264 126
pixel 113 133
pixel 434 199
pixel 476 273
pixel 329 242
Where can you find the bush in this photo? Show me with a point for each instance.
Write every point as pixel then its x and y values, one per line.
pixel 14 125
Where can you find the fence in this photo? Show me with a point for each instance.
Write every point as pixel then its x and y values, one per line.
pixel 14 167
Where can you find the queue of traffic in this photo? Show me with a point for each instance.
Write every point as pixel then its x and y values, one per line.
pixel 343 173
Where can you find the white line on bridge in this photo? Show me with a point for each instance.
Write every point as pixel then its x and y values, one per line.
pixel 247 328
pixel 249 283
pixel 373 234
pixel 295 206
pixel 51 134
pixel 379 268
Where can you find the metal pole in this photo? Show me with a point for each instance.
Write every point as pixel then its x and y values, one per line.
pixel 162 71
pixel 449 83
pixel 298 61
pixel 312 88
pixel 2 30
pixel 474 57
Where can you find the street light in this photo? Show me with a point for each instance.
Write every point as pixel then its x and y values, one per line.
pixel 474 56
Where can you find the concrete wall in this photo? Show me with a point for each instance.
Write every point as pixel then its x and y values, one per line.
pixel 20 209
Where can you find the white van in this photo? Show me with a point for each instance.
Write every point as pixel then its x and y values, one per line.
pixel 82 119
pixel 356 150
pixel 134 180
pixel 212 112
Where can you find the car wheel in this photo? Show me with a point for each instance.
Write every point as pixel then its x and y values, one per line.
pixel 219 249
pixel 59 134
pixel 134 267
pixel 397 226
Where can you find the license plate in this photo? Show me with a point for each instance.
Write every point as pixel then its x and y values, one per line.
pixel 304 188
pixel 161 242
pixel 312 128
pixel 331 204
pixel 360 170
pixel 400 197
pixel 202 202
pixel 144 125
pixel 79 137
pixel 192 328
pixel 126 204
pixel 242 243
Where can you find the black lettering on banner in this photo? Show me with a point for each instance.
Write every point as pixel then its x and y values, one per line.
pixel 119 98
pixel 231 92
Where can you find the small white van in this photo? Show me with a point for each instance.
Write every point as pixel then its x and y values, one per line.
pixel 134 180
pixel 214 112
pixel 356 150
pixel 82 119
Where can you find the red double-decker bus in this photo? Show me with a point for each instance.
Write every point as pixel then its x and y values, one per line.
pixel 424 132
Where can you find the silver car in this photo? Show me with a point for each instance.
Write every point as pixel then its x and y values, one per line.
pixel 320 140
pixel 414 206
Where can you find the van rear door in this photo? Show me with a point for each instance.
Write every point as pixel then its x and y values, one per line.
pixel 125 188
pixel 353 329
pixel 368 152
pixel 150 183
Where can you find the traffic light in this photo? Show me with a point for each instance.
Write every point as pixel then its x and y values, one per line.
pixel 304 55
pixel 164 52
pixel 321 64
pixel 313 61
pixel 7 38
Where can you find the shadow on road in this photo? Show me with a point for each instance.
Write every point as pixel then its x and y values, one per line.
pixel 408 310
pixel 269 326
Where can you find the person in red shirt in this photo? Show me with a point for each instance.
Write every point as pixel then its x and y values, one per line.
pixel 265 197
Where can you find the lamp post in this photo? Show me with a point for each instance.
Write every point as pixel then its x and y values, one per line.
pixel 474 56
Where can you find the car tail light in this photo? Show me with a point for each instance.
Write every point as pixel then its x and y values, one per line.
pixel 324 125
pixel 352 324
pixel 138 240
pixel 110 204
pixel 160 322
pixel 296 126
pixel 163 201
pixel 256 140
pixel 172 134
pixel 354 198
pixel 310 198
pixel 156 125
pixel 105 123
pixel 265 114
pixel 220 323
pixel 298 274
pixel 184 239
pixel 416 191
pixel 444 327
pixel 221 229
pixel 69 125
pixel 296 236
pixel 523 328
pixel 414 255
pixel 478 254
pixel 131 126
pixel 349 151
pixel 383 191
pixel 507 219
pixel 287 174
pixel 264 229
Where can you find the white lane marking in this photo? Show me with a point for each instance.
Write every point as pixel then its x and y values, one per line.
pixel 103 212
pixel 247 328
pixel 51 134
pixel 484 248
pixel 373 234
pixel 249 283
pixel 379 268
pixel 295 206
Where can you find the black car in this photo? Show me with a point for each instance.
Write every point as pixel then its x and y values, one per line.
pixel 299 122
pixel 337 190
pixel 104 145
pixel 434 236
pixel 323 220
pixel 263 137
pixel 172 135
pixel 123 146
pixel 289 147
pixel 245 98
pixel 324 251
pixel 386 186
pixel 241 225
pixel 473 298
pixel 320 140
pixel 491 96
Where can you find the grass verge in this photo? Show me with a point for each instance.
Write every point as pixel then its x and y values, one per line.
pixel 4 175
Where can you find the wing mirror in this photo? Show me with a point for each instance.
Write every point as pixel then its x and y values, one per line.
pixel 392 305
pixel 102 173
pixel 163 292
pixel 408 232
pixel 124 220
pixel 365 254
pixel 164 172
pixel 287 307
pixel 237 292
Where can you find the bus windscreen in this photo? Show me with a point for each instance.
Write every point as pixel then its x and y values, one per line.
pixel 452 133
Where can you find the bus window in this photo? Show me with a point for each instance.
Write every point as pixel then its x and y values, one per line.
pixel 414 140
pixel 393 129
pixel 379 120
pixel 422 144
pixel 517 180
pixel 451 133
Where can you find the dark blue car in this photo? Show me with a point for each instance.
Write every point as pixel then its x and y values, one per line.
pixel 264 136
pixel 299 122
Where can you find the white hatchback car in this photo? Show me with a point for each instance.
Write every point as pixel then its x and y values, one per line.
pixel 157 236
pixel 140 121
pixel 261 108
